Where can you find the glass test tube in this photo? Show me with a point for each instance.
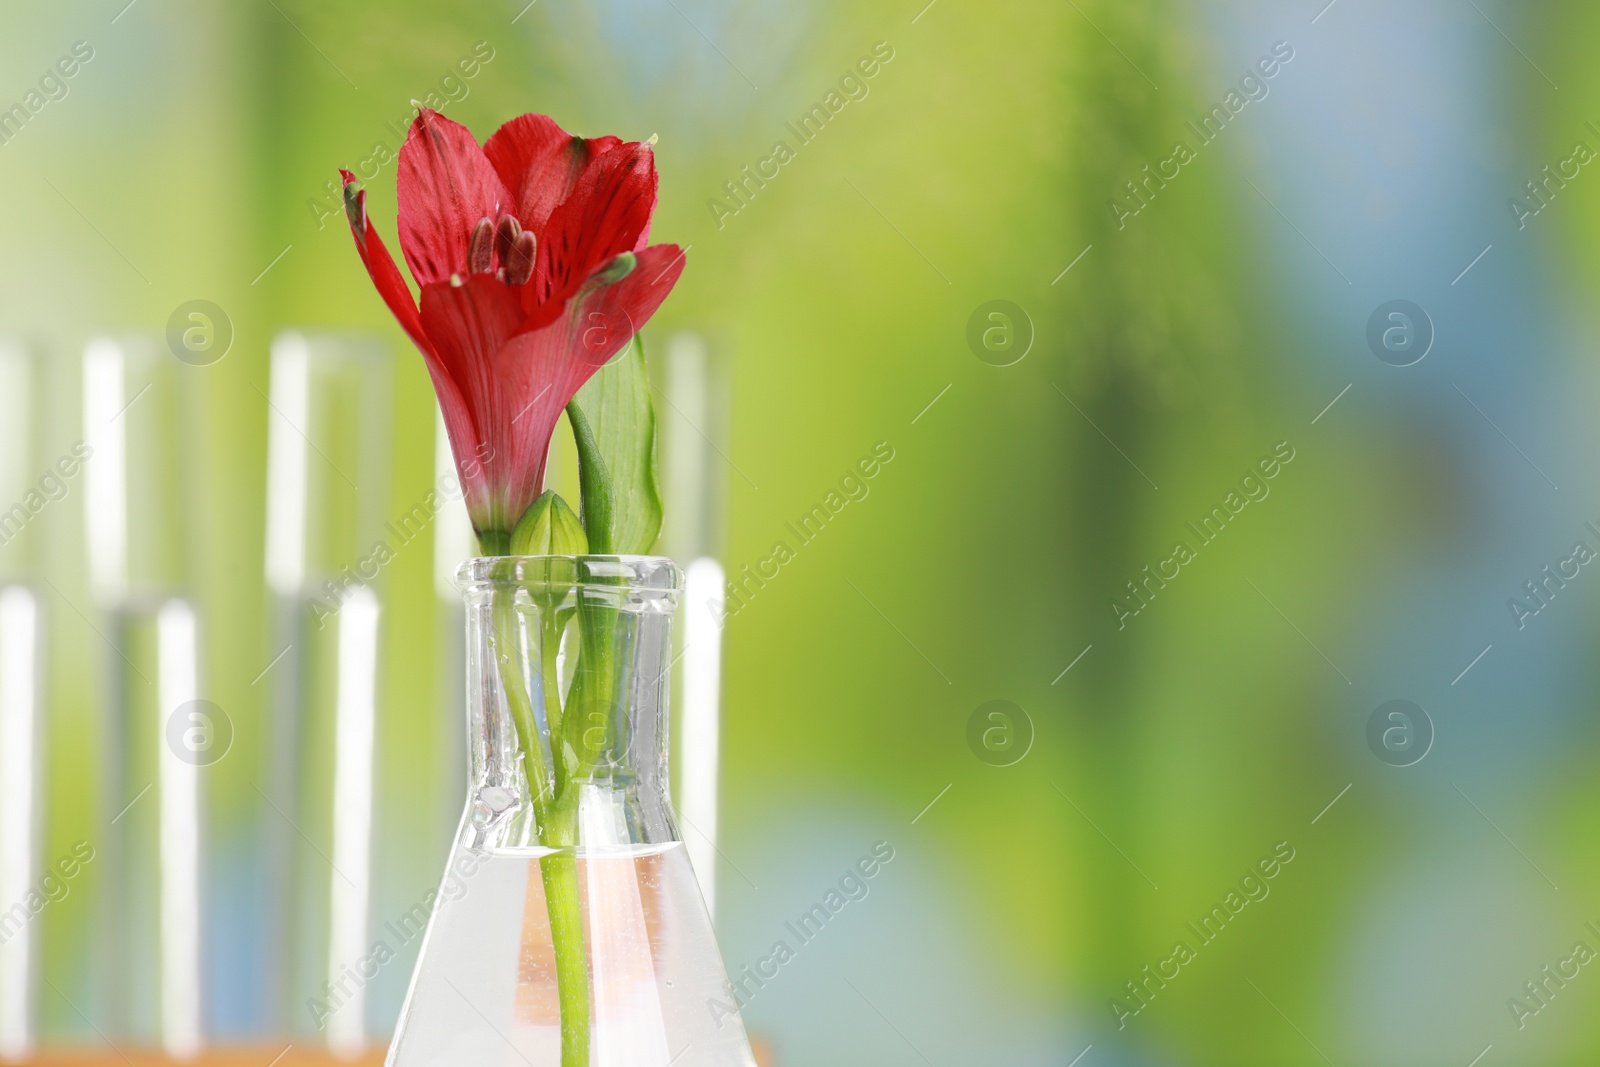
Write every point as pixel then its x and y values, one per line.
pixel 693 427
pixel 329 445
pixel 138 514
pixel 21 728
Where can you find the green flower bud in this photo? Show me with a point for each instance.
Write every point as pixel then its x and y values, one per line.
pixel 549 528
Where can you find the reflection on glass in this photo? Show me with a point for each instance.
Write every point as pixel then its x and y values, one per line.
pixel 453 543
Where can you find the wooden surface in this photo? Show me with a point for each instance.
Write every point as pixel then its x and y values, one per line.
pixel 237 1057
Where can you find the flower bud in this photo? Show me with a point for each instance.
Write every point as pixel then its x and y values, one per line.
pixel 549 528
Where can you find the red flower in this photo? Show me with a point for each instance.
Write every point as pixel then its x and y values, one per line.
pixel 531 254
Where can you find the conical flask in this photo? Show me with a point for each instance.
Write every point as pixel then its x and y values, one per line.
pixel 568 930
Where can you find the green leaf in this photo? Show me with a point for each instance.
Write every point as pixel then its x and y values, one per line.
pixel 614 423
pixel 549 528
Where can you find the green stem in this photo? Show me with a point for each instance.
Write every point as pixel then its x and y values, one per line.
pixel 580 735
pixel 594 485
pixel 564 906
pixel 556 812
pixel 508 655
pixel 494 542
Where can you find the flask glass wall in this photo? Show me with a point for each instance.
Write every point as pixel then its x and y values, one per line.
pixel 569 929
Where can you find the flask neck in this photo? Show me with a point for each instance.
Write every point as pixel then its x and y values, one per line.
pixel 568 686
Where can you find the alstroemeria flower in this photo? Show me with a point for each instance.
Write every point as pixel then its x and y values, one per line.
pixel 532 258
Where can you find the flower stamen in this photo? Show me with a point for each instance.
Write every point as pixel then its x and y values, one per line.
pixel 519 267
pixel 480 248
pixel 505 235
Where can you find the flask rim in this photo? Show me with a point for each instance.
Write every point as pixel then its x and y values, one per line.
pixel 641 576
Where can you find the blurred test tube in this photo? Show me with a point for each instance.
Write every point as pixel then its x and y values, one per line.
pixel 21 400
pixel 19 816
pixel 21 730
pixel 138 514
pixel 692 423
pixel 328 542
pixel 349 882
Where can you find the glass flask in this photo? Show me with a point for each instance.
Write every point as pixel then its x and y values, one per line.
pixel 568 930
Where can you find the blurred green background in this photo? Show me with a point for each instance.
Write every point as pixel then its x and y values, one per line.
pixel 1180 332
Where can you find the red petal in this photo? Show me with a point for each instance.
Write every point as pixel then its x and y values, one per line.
pixel 608 213
pixel 540 163
pixel 392 288
pixel 469 325
pixel 602 316
pixel 539 368
pixel 445 186
pixel 612 314
pixel 381 267
pixel 515 386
